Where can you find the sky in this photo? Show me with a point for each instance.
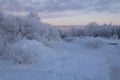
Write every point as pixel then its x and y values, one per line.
pixel 67 12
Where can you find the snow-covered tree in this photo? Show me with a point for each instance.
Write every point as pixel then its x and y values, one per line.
pixel 95 30
pixel 29 27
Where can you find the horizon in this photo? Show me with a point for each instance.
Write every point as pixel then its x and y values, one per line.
pixel 84 20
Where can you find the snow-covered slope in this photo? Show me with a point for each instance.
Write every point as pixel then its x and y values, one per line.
pixel 74 60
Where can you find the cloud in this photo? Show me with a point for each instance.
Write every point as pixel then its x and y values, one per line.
pixel 53 6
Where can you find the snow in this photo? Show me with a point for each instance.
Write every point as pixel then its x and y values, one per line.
pixel 32 50
pixel 63 60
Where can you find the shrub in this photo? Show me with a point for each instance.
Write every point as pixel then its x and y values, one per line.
pixel 25 52
pixel 94 43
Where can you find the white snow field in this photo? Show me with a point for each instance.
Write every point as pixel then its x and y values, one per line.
pixel 79 59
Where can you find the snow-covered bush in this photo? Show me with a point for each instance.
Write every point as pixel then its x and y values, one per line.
pixel 77 32
pixel 47 32
pixel 93 43
pixel 69 39
pixel 2 46
pixel 73 32
pixel 118 31
pixel 25 52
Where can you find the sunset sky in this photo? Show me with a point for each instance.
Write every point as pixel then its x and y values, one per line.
pixel 67 12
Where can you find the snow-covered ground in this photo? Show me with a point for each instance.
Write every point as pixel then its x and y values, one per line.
pixel 74 59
